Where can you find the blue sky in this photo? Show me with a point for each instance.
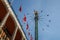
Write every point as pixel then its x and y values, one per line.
pixel 51 7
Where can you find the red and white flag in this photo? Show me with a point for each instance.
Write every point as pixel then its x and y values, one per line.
pixel 24 19
pixel 20 9
pixel 27 27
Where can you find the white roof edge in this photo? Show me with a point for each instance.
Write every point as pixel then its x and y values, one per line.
pixel 12 13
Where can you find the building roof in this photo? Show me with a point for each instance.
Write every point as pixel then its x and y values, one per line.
pixel 9 22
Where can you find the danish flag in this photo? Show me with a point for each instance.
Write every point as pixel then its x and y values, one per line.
pixel 20 9
pixel 24 19
pixel 27 27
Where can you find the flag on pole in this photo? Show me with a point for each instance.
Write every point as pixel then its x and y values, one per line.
pixel 27 27
pixel 20 9
pixel 24 19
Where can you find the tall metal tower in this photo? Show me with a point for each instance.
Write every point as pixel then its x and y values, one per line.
pixel 36 25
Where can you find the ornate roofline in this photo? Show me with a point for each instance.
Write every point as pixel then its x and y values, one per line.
pixel 10 11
